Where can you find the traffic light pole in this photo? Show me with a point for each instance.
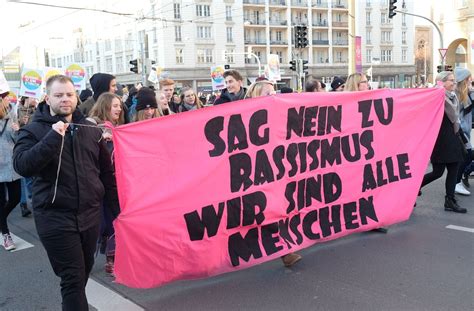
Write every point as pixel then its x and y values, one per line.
pixel 441 43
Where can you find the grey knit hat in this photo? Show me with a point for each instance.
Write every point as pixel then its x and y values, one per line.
pixel 443 75
pixel 461 74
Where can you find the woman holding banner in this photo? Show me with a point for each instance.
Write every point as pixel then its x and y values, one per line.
pixel 356 82
pixel 163 104
pixel 448 149
pixel 108 108
pixel 147 107
pixel 260 88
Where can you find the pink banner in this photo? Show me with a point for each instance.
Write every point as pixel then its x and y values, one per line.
pixel 228 187
pixel 358 53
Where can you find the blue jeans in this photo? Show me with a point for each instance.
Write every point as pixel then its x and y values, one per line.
pixel 26 183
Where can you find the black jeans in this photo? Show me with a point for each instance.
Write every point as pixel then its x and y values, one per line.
pixel 71 254
pixel 438 170
pixel 14 194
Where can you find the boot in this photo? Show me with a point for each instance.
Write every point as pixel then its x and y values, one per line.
pixel 25 212
pixel 451 205
pixel 290 259
pixel 465 180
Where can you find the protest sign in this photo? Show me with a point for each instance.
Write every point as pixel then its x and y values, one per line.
pixel 31 83
pixel 77 73
pixel 251 181
pixel 217 77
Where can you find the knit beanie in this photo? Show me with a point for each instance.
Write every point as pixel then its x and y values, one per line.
pixel 146 98
pixel 336 82
pixel 461 74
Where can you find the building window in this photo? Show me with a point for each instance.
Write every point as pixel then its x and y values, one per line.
pixel 229 35
pixel 338 57
pixel 368 37
pixel 228 13
pixel 404 20
pixel 404 37
pixel 404 55
pixel 204 56
pixel 128 57
pixel 177 10
pixel 98 65
pixel 129 41
pixel 229 55
pixel 204 32
pixel 108 45
pixel 179 56
pixel 118 44
pixel 108 64
pixel 177 33
pixel 368 56
pixel 367 18
pixel 119 64
pixel 386 36
pixel 386 56
pixel 203 10
pixel 155 35
pixel 383 18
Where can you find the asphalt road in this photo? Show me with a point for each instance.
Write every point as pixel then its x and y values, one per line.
pixel 419 265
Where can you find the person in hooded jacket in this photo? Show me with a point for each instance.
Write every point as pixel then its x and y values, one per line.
pixel 234 90
pixel 101 83
pixel 73 174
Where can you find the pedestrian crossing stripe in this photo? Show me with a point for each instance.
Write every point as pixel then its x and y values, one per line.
pixel 20 243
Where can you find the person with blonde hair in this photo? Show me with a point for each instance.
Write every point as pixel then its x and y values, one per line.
pixel 264 87
pixel 189 100
pixel 466 97
pixel 163 104
pixel 356 82
pixel 147 107
pixel 259 88
pixel 447 152
pixel 10 182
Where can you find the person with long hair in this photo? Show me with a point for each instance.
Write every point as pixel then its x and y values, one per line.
pixel 147 107
pixel 163 104
pixel 447 152
pixel 9 180
pixel 108 108
pixel 464 94
pixel 265 88
pixel 189 100
pixel 356 82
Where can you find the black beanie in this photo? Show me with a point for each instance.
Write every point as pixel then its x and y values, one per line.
pixel 100 83
pixel 146 98
pixel 336 82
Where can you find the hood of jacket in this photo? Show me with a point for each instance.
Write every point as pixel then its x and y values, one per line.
pixel 100 83
pixel 43 114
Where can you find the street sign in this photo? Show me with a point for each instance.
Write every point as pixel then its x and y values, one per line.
pixel 443 52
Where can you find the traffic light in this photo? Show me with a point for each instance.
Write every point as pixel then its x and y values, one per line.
pixel 439 68
pixel 301 36
pixel 304 66
pixel 134 64
pixel 392 8
pixel 293 65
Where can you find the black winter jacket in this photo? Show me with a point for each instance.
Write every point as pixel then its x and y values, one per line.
pixel 86 173
pixel 225 97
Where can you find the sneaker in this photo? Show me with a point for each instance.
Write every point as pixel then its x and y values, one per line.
pixel 25 211
pixel 8 242
pixel 290 259
pixel 461 190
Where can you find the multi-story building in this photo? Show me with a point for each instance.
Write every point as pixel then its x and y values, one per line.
pixel 387 43
pixel 186 38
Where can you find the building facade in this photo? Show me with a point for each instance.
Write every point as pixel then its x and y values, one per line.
pixel 185 38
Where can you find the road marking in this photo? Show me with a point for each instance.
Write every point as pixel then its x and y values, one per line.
pixel 105 299
pixel 20 243
pixel 471 230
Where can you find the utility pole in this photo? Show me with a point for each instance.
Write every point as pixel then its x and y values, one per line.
pixel 352 47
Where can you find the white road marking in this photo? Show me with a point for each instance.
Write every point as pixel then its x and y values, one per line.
pixel 20 243
pixel 471 230
pixel 105 299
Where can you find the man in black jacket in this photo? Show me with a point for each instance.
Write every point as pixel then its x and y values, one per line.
pixel 234 90
pixel 73 174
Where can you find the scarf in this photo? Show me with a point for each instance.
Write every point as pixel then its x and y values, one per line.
pixel 451 106
pixel 237 96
